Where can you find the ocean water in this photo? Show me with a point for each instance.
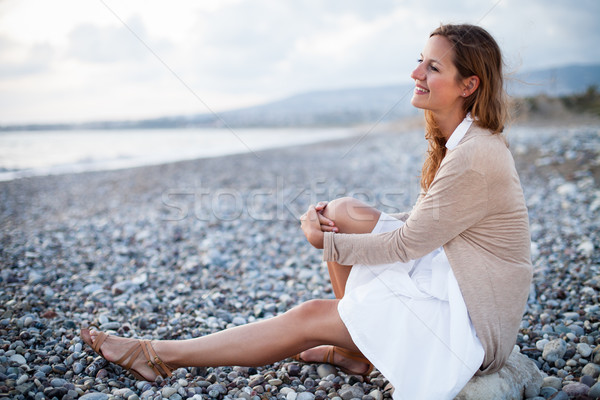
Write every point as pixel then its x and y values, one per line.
pixel 35 153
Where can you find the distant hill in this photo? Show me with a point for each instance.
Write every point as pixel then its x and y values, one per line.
pixel 329 107
pixel 351 106
pixel 554 82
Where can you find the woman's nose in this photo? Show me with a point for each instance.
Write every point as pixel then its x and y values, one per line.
pixel 418 73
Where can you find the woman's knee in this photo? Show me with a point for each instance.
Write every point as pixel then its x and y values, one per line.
pixel 352 215
pixel 316 314
pixel 315 309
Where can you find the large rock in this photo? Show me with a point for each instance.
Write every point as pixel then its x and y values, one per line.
pixel 518 376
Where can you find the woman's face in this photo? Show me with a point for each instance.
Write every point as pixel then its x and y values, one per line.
pixel 437 88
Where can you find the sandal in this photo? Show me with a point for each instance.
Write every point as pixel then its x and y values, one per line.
pixel 126 361
pixel 330 354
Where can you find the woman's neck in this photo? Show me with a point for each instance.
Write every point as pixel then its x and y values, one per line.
pixel 448 123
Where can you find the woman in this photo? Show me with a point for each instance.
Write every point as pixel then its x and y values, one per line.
pixel 430 297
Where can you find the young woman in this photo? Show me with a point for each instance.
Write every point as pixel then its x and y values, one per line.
pixel 429 297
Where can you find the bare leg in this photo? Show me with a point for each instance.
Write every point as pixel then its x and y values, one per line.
pixel 310 324
pixel 350 216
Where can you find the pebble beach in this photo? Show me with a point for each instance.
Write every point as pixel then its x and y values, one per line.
pixel 181 250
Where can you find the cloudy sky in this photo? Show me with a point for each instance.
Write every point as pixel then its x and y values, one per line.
pixel 81 60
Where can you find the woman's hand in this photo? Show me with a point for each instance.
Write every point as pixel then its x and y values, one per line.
pixel 314 223
pixel 327 225
pixel 311 226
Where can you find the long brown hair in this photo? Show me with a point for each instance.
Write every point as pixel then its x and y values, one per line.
pixel 475 52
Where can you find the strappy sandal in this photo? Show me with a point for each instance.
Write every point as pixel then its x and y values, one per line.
pixel 127 360
pixel 330 354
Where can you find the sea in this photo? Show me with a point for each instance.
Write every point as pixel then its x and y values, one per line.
pixel 38 153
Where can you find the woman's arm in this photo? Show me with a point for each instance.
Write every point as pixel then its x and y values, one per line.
pixel 457 199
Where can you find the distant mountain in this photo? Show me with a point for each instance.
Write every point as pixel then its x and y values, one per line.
pixel 386 103
pixel 558 81
pixel 350 106
pixel 328 107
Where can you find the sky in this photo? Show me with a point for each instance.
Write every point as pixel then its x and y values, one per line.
pixel 92 60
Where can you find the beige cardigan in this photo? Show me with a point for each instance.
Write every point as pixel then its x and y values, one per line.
pixel 474 208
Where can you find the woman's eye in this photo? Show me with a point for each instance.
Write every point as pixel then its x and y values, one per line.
pixel 433 68
pixel 419 60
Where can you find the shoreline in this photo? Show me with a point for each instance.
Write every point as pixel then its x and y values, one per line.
pixel 188 248
pixel 91 151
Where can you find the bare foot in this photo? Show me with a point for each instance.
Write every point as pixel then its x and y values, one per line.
pixel 350 365
pixel 114 348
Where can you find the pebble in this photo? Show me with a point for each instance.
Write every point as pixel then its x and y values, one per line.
pixel 541 343
pixel 94 396
pixel 167 392
pixel 547 391
pixel 552 381
pixel 584 349
pixel 587 380
pixel 76 261
pixel 591 369
pixel 305 396
pixel 376 394
pixel 324 370
pixel 19 359
pixel 576 389
pixel 351 393
pixel 594 392
pixel 559 396
pixel 554 350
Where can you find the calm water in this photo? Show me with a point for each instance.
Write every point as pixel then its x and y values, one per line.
pixel 32 153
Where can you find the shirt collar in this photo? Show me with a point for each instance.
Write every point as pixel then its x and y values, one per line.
pixel 459 132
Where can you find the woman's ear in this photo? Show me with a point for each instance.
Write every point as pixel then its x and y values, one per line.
pixel 470 85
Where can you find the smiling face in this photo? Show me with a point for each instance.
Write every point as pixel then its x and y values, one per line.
pixel 437 87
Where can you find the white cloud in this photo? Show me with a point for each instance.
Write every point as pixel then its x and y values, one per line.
pixel 73 60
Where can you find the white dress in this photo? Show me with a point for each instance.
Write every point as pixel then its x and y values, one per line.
pixel 411 322
pixel 410 319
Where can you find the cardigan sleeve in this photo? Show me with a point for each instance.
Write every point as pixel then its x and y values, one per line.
pixel 403 216
pixel 456 200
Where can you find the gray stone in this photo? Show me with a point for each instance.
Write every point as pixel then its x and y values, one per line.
pixel 576 389
pixel 78 367
pixel 94 396
pixel 596 355
pixel 58 392
pixel 376 394
pixel 552 381
pixel 305 396
pixel 351 393
pixel 167 392
pixel 594 392
pixel 58 382
pixel 587 380
pixel 510 383
pixel 19 359
pixel 325 370
pixel 541 343
pixel 584 349
pixel 216 387
pixel 554 350
pixel 547 391
pixel 560 396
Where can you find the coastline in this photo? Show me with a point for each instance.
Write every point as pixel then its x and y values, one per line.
pixel 183 249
